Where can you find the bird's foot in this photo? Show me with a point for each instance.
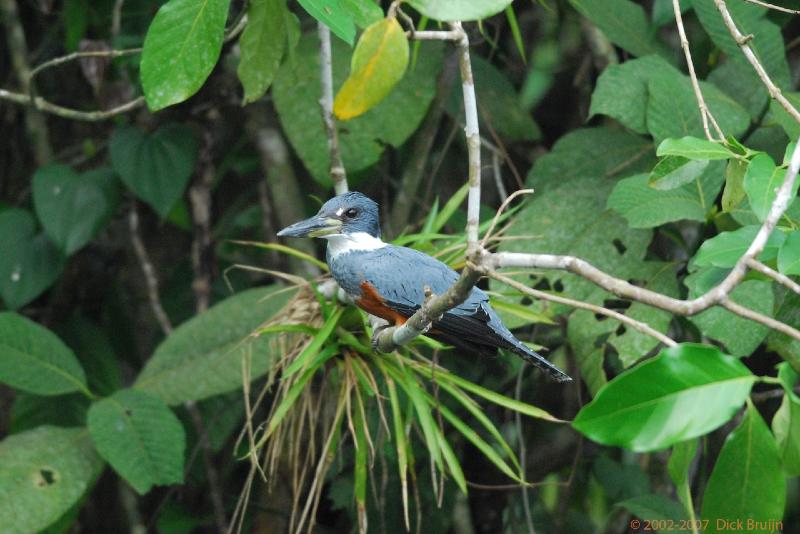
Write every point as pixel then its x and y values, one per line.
pixel 376 336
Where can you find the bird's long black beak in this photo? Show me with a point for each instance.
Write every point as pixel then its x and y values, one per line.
pixel 316 226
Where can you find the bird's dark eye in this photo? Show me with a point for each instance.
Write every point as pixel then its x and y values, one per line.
pixel 351 213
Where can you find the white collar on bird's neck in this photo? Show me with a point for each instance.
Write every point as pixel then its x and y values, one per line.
pixel 355 242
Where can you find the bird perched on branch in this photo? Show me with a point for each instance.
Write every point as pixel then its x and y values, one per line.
pixel 390 281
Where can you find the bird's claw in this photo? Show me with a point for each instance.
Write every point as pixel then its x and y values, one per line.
pixel 376 334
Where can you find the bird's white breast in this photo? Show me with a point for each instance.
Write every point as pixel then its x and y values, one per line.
pixel 359 241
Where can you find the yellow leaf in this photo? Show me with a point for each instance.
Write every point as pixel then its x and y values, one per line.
pixel 379 62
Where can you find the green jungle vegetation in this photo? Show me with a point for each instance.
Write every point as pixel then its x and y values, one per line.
pixel 167 364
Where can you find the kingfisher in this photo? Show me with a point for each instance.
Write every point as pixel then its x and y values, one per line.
pixel 390 281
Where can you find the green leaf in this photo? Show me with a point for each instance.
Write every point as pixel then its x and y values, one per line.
pixel 499 104
pixel 180 50
pixel 678 467
pixel 786 422
pixel 733 193
pixel 93 348
pixel 30 411
pixel 29 263
pixel 653 507
pixel 746 484
pixel 333 15
pixel 685 392
pixel 672 110
pixel 646 207
pixel 155 166
pixel 761 180
pixel 787 310
pixel 739 335
pixel 693 148
pixel 459 9
pixel 74 207
pixel 203 356
pixel 32 358
pixel 363 12
pixel 787 121
pixel 663 12
pixel 379 62
pixel 583 330
pixel 363 140
pixel 789 254
pixel 675 171
pixel 725 249
pixel 262 46
pixel 767 43
pixel 140 437
pixel 624 23
pixel 45 472
pixel 596 234
pixel 630 344
pixel 621 91
pixel 736 78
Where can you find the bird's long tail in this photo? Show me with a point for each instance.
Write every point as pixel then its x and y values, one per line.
pixel 518 347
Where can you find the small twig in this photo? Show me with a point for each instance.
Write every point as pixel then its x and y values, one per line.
pixel 705 113
pixel 68 113
pixel 338 174
pixel 744 44
pixel 754 316
pixel 500 211
pixel 773 6
pixel 111 54
pixel 775 275
pixel 148 271
pixel 116 18
pixel 644 328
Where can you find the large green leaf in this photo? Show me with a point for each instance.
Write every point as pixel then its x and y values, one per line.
pixel 725 249
pixel 675 171
pixel 786 422
pixel 787 310
pixel 74 207
pixel 29 263
pixel 140 437
pixel 498 103
pixel 646 207
pixel 262 45
pixel 678 467
pixel 672 108
pixel 45 472
pixel 155 166
pixel 761 182
pixel 632 345
pixel 363 140
pixel 583 330
pixel 587 156
pixel 334 15
pixel 379 62
pixel 693 148
pixel 459 9
pixel 181 48
pixel 621 91
pixel 624 23
pixel 34 359
pixel 789 255
pixel 739 335
pixel 93 348
pixel 203 356
pixel 746 486
pixel 737 78
pixel 767 40
pixel 684 392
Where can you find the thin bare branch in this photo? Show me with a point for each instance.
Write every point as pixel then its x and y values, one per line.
pixel 773 6
pixel 775 275
pixel 744 44
pixel 338 174
pixel 705 113
pixel 148 271
pixel 500 211
pixel 640 326
pixel 68 113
